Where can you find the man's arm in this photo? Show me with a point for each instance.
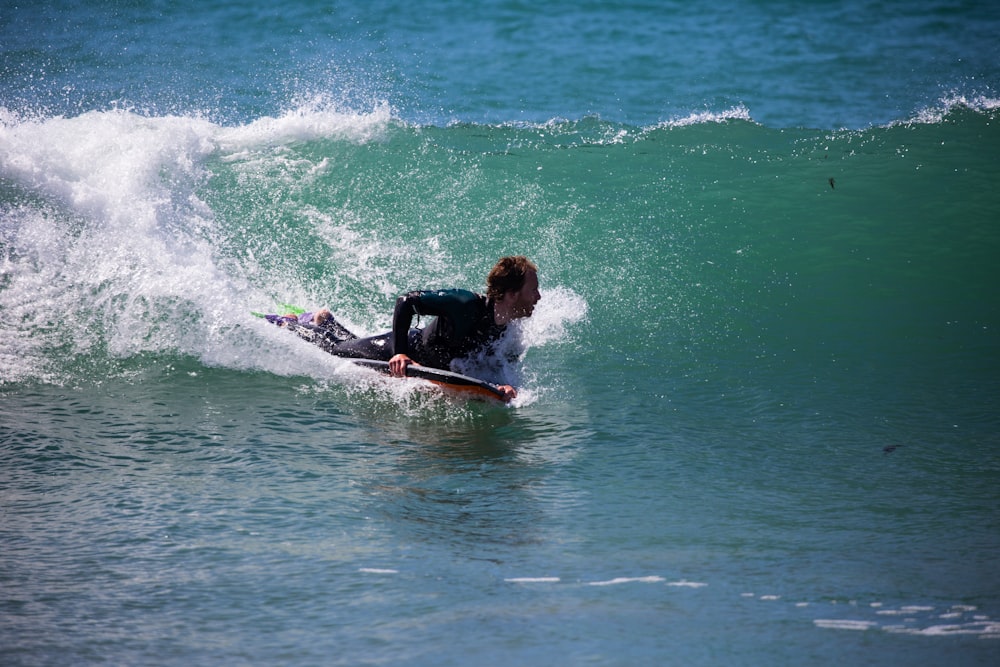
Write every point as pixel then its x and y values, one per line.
pixel 402 318
pixel 450 304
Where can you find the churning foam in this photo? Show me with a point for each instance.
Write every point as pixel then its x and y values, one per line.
pixel 935 114
pixel 313 120
pixel 104 240
pixel 108 249
pixel 627 580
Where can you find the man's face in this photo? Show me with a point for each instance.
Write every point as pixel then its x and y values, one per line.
pixel 524 299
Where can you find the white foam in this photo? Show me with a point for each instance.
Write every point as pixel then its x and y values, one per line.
pixel 683 583
pixel 701 117
pixel 985 629
pixel 918 620
pixel 115 232
pixel 117 240
pixel 936 114
pixel 316 119
pixel 627 580
pixel 559 308
pixel 377 570
pixel 843 624
pixel 904 611
pixel 532 580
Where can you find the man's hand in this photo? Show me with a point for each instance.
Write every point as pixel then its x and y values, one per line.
pixel 398 364
pixel 509 393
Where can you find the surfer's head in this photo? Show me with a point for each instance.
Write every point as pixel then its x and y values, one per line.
pixel 513 283
pixel 508 275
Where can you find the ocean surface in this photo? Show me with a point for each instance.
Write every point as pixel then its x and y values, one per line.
pixel 759 410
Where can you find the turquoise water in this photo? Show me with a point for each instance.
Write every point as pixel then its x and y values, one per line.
pixel 759 398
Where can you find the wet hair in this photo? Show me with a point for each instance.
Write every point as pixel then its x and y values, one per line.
pixel 508 275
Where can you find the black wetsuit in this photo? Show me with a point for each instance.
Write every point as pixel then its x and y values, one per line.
pixel 463 324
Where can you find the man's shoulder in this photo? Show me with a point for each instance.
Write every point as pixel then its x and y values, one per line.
pixel 461 296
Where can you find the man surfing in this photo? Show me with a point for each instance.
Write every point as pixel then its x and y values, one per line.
pixel 464 324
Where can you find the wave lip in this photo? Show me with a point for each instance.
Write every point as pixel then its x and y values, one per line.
pixel 947 106
pixel 311 121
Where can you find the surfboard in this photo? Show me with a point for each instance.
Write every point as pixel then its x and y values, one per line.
pixel 456 382
pixel 464 385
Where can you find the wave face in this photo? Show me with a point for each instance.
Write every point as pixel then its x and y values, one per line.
pixel 127 234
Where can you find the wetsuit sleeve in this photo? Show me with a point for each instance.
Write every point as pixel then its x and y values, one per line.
pixel 402 318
